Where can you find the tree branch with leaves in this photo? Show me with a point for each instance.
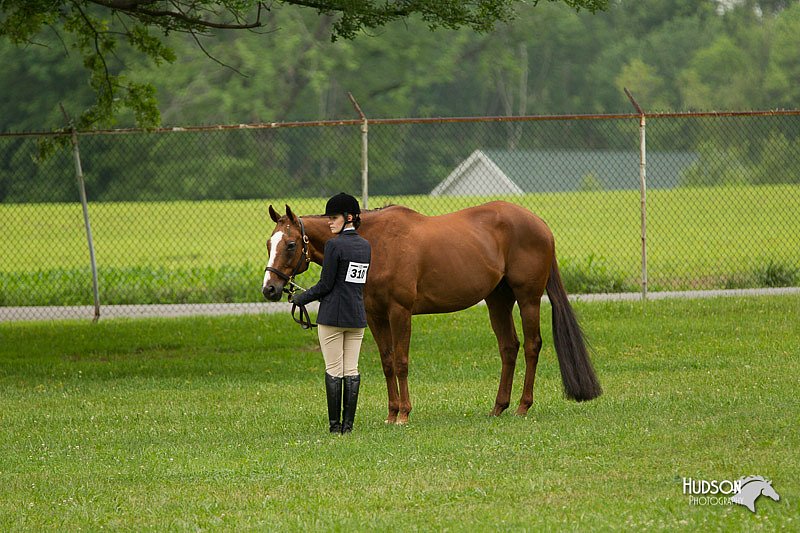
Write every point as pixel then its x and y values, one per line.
pixel 97 28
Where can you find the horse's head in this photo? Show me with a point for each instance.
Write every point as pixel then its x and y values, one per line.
pixel 288 253
pixel 769 492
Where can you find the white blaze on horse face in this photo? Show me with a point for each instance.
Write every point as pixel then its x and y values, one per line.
pixel 276 238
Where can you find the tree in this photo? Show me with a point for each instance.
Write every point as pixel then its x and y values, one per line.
pixel 782 68
pixel 720 76
pixel 98 29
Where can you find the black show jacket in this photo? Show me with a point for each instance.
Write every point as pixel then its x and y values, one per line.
pixel 340 290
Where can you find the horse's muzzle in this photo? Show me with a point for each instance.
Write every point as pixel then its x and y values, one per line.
pixel 272 292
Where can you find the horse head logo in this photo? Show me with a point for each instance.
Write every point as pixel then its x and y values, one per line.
pixel 751 488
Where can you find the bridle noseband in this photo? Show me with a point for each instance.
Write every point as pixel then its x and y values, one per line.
pixel 290 287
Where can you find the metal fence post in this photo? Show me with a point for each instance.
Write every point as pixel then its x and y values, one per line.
pixel 642 187
pixel 364 153
pixel 85 205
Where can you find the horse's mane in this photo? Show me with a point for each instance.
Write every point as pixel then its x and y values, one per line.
pixel 748 479
pixel 388 207
pixel 365 211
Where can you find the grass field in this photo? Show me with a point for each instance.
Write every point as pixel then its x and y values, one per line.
pixel 215 251
pixel 218 423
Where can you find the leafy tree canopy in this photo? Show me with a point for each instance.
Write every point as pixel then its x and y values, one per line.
pixel 99 28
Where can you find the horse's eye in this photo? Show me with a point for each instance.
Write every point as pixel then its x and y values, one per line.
pixel 291 246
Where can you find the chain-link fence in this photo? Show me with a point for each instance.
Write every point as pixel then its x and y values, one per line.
pixel 180 216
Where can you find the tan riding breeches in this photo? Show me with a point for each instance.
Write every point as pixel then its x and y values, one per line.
pixel 340 349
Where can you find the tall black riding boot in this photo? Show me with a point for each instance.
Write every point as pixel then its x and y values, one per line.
pixel 351 384
pixel 333 387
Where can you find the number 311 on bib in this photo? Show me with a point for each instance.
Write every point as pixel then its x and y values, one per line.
pixel 357 272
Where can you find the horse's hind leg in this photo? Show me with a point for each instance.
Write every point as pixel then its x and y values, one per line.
pixel 529 311
pixel 379 326
pixel 501 303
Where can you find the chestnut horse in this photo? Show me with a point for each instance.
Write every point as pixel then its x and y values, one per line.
pixel 498 252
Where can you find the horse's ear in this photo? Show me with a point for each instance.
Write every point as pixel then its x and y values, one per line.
pixel 289 214
pixel 273 214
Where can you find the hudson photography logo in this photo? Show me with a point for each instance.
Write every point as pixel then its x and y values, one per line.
pixel 744 491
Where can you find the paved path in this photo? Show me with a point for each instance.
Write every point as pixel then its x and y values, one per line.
pixel 9 314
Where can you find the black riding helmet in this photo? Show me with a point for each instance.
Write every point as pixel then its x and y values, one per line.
pixel 344 204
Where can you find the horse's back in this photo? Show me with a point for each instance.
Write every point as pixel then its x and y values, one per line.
pixel 448 262
pixel 516 227
pixel 503 212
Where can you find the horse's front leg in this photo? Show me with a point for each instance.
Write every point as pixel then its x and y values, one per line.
pixel 382 333
pixel 400 321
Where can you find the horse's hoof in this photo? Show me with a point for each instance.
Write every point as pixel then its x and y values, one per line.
pixel 522 411
pixel 391 419
pixel 402 420
pixel 497 410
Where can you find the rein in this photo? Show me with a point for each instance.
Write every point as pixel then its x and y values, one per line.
pixel 291 287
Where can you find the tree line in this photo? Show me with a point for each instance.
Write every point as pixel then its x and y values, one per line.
pixel 674 55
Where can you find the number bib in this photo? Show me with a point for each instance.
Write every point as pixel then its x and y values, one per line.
pixel 357 272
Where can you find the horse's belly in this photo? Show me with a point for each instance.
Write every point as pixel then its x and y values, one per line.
pixel 452 293
pixel 426 307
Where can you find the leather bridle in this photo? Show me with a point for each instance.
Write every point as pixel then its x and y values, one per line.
pixel 290 287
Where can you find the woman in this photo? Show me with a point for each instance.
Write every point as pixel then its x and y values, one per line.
pixel 341 316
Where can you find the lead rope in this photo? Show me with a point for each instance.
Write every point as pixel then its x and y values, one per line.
pixel 305 318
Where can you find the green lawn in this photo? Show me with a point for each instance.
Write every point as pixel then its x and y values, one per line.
pixel 215 251
pixel 219 423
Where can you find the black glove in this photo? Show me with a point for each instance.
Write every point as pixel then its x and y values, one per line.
pixel 296 298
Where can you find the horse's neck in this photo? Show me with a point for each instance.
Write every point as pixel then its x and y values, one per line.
pixel 755 487
pixel 318 234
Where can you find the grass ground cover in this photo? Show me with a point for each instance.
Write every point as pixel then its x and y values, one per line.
pixel 218 423
pixel 214 251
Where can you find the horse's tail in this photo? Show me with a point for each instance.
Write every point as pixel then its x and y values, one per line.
pixel 577 373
